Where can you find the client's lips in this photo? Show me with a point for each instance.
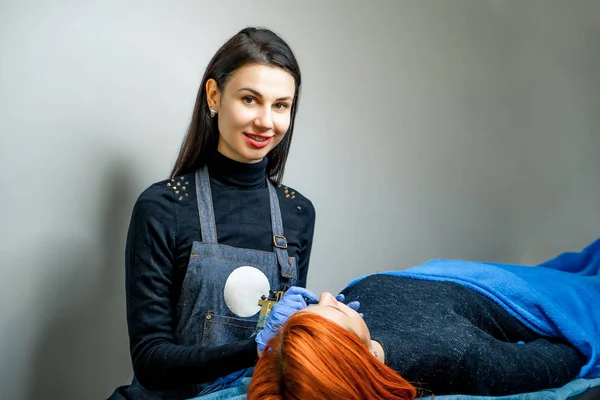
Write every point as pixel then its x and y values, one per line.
pixel 258 140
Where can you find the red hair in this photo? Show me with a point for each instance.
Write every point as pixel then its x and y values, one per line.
pixel 314 358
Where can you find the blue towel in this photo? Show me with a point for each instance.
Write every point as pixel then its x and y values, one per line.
pixel 558 298
pixel 563 393
pixel 569 391
pixel 237 392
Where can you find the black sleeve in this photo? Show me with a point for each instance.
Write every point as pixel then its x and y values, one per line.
pixel 158 362
pixel 306 241
pixel 493 367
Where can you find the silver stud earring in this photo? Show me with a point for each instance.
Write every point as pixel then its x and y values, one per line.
pixel 212 113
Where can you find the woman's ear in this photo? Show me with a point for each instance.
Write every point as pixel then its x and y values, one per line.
pixel 213 95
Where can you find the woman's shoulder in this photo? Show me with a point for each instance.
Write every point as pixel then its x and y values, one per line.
pixel 290 197
pixel 167 193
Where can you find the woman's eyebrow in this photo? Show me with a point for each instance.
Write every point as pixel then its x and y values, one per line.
pixel 339 309
pixel 258 94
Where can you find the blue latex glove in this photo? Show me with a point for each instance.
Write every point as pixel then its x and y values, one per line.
pixel 291 301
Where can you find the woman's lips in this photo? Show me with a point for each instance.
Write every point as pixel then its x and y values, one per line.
pixel 257 140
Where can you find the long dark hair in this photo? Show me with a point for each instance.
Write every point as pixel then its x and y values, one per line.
pixel 248 46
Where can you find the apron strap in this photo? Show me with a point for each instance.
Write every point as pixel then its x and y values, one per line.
pixel 279 240
pixel 206 212
pixel 208 227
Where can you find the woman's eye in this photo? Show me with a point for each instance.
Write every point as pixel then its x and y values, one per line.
pixel 281 106
pixel 249 100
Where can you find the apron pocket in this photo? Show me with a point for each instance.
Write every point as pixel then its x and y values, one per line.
pixel 219 329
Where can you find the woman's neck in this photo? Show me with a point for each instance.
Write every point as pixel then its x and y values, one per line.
pixel 237 174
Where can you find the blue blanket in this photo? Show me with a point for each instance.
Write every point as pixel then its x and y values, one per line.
pixel 568 391
pixel 559 298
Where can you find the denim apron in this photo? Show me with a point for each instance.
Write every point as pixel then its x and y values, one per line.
pixel 220 293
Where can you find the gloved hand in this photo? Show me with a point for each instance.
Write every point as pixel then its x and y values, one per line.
pixel 291 301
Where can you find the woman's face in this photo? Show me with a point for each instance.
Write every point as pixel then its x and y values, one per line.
pixel 254 111
pixel 341 314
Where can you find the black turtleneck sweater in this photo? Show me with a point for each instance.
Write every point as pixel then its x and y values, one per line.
pixel 164 223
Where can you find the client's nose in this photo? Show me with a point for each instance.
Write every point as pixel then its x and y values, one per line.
pixel 327 299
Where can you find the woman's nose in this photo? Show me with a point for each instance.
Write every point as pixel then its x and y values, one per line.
pixel 327 299
pixel 264 119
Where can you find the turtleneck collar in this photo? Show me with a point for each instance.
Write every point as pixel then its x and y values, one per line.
pixel 234 173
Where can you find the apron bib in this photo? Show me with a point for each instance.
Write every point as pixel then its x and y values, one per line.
pixel 221 289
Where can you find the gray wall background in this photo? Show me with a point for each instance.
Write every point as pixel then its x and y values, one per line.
pixel 457 129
